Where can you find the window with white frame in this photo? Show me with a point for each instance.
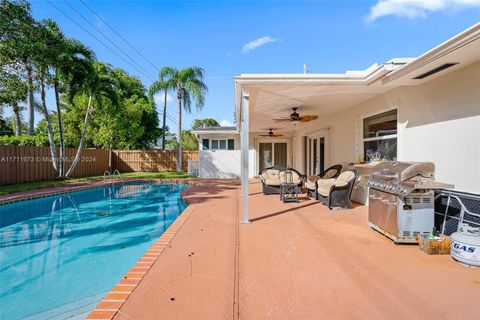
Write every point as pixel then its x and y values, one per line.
pixel 380 136
pixel 222 144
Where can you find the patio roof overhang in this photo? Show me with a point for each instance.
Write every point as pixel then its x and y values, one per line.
pixel 274 96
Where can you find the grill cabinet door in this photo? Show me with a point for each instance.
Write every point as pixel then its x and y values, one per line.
pixel 389 202
pixel 375 216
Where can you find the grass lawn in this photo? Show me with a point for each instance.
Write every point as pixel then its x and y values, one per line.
pixel 132 175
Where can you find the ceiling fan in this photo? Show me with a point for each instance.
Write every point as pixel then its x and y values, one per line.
pixel 270 134
pixel 296 118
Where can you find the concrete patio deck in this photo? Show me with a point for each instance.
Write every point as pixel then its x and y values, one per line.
pixel 294 261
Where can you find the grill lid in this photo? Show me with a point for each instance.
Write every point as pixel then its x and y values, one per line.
pixel 403 178
pixel 402 171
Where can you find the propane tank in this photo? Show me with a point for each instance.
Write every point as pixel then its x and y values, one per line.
pixel 466 245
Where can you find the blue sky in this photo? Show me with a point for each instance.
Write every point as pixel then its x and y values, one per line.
pixel 228 38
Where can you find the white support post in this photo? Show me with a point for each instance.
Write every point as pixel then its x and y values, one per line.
pixel 244 156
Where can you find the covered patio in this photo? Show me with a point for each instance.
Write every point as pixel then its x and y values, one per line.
pixel 273 102
pixel 294 261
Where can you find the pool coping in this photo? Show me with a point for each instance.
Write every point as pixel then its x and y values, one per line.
pixel 118 295
pixel 92 184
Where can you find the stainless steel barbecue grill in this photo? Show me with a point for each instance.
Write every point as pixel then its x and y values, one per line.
pixel 401 199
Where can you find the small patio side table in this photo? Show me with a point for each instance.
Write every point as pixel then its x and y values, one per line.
pixel 289 192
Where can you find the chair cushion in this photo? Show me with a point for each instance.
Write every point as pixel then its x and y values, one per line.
pixel 273 182
pixel 270 174
pixel 324 186
pixel 309 184
pixel 344 178
pixel 329 174
pixel 295 177
pixel 271 177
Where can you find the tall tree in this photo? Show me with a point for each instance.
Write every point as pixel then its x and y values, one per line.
pixel 189 86
pixel 45 58
pixel 19 44
pixel 71 63
pixel 97 86
pixel 165 83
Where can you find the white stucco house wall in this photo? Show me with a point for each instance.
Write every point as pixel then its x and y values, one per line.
pixel 219 152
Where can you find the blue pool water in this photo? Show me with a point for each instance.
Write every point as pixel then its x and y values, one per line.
pixel 60 255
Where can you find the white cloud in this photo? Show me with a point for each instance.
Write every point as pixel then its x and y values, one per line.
pixel 159 99
pixel 416 8
pixel 252 45
pixel 226 123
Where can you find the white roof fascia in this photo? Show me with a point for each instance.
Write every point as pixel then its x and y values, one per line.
pixel 452 44
pixel 365 77
pixel 218 133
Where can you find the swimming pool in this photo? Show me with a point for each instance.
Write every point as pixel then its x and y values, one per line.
pixel 60 255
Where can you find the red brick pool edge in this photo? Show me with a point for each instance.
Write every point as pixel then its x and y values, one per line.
pixel 113 301
pixel 78 186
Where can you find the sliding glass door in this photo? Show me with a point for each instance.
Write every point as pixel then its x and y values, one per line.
pixel 316 154
pixel 272 153
pixel 280 154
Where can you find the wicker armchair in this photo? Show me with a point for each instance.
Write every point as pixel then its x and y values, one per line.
pixel 329 173
pixel 336 193
pixel 272 177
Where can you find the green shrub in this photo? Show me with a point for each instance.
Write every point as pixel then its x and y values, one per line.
pixel 36 141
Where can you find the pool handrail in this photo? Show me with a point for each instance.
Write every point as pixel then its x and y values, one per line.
pixel 105 174
pixel 115 172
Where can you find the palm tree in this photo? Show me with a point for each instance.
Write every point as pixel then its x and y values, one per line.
pixel 98 85
pixel 188 83
pixel 43 60
pixel 164 83
pixel 71 63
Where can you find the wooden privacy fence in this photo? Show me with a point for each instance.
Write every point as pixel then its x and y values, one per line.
pixel 150 160
pixel 25 164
